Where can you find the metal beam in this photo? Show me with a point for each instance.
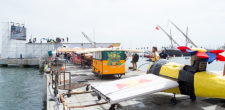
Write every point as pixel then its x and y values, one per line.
pixel 169 36
pixel 184 34
pixel 92 43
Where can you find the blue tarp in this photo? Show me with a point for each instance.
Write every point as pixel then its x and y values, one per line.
pixel 191 52
pixel 211 58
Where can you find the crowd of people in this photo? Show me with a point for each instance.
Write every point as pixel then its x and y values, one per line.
pixel 155 56
pixel 67 56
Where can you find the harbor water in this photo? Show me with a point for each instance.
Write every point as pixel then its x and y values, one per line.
pixel 21 88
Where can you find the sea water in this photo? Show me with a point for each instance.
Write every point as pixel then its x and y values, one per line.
pixel 21 89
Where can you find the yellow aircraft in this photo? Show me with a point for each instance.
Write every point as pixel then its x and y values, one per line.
pixel 193 80
pixel 169 77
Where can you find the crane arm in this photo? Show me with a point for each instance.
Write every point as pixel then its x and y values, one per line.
pixel 184 34
pixel 92 43
pixel 169 36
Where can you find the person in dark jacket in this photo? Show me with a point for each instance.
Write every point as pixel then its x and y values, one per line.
pixel 134 61
pixel 125 56
pixel 69 56
pixel 164 55
pixel 66 57
pixel 57 54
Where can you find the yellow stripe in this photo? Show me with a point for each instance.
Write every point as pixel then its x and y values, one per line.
pixel 167 68
pixel 209 84
pixel 149 68
pixel 171 69
pixel 173 90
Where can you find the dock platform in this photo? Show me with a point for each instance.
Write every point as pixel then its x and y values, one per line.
pixel 156 101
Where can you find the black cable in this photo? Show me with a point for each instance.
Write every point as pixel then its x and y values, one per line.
pixel 143 64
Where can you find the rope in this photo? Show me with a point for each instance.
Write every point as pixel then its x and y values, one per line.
pixel 53 96
pixel 143 64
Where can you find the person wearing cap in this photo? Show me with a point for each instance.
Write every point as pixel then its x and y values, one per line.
pixel 163 54
pixel 155 55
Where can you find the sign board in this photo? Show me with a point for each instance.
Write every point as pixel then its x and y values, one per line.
pixel 18 33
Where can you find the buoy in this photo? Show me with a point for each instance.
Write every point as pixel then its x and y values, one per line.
pixel 62 68
pixel 45 67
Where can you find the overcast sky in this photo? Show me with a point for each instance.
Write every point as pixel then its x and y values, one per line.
pixel 130 22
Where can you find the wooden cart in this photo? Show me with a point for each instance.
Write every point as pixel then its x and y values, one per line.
pixel 109 62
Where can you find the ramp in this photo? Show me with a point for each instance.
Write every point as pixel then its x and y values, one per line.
pixel 129 88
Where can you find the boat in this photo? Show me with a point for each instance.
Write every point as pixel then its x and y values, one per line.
pixel 171 51
pixel 147 56
pixel 175 51
pixel 222 47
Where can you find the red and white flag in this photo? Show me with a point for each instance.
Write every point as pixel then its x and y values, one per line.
pixel 157 28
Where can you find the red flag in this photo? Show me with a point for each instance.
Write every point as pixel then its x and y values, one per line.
pixel 157 28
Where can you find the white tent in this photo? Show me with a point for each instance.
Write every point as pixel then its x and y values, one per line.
pixel 106 49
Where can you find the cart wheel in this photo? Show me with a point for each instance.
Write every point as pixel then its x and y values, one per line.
pixel 87 88
pixel 95 73
pixel 98 74
pixel 68 95
pixel 193 98
pixel 55 91
pixel 112 107
pixel 99 97
pixel 119 75
pixel 101 76
pixel 173 101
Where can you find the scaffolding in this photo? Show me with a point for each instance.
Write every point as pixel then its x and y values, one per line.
pixel 14 48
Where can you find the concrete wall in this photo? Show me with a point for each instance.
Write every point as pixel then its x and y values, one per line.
pixel 20 61
pixel 13 48
pixel 34 50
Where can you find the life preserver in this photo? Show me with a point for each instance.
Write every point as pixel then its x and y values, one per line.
pixel 153 56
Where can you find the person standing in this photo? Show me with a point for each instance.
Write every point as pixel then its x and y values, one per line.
pixel 163 54
pixel 134 61
pixel 66 57
pixel 69 56
pixel 57 54
pixel 48 40
pixel 155 55
pixel 125 56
